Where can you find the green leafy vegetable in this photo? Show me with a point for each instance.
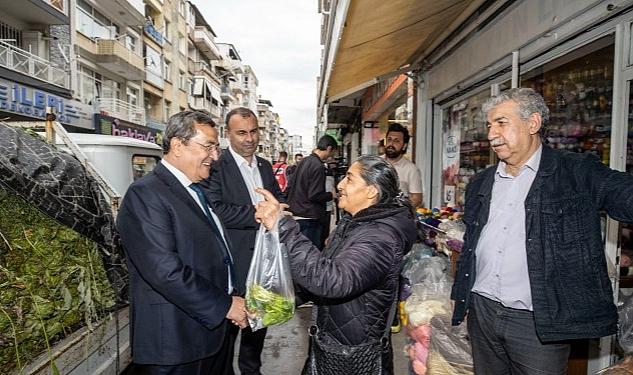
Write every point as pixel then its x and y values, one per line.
pixel 52 282
pixel 268 306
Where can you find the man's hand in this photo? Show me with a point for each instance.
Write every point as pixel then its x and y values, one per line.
pixel 237 312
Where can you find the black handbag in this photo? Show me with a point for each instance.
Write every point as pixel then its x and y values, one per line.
pixel 329 357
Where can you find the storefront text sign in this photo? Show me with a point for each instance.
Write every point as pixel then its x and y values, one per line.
pixel 109 125
pixel 29 102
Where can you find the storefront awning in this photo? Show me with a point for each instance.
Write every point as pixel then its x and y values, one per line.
pixel 380 37
pixel 216 93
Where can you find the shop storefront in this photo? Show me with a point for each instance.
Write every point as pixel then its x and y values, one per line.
pixel 109 125
pixel 19 102
pixel 583 67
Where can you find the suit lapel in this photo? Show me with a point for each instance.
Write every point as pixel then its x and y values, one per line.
pixel 235 175
pixel 178 190
pixel 266 174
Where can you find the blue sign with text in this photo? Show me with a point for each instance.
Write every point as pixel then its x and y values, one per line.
pixel 30 102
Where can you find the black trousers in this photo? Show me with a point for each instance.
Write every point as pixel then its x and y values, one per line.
pixel 249 360
pixel 219 364
pixel 504 341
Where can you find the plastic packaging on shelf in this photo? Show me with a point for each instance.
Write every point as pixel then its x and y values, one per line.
pixel 625 331
pixel 624 367
pixel 449 349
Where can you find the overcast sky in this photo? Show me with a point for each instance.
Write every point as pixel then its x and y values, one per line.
pixel 279 39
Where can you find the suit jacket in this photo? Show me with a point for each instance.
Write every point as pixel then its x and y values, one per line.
pixel 178 281
pixel 228 195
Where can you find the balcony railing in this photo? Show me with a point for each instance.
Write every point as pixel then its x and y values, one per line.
pixel 154 78
pixel 153 33
pixel 120 109
pixel 201 103
pixel 22 61
pixel 204 40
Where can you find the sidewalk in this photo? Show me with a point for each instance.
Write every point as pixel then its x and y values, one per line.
pixel 286 347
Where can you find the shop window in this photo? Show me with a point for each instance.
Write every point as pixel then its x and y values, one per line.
pixel 578 89
pixel 143 164
pixel 466 150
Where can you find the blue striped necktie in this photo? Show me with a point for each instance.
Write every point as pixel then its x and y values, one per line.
pixel 225 250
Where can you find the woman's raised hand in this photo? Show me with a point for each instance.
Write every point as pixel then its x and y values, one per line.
pixel 269 211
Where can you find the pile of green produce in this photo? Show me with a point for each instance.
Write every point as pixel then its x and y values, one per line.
pixel 52 282
pixel 267 307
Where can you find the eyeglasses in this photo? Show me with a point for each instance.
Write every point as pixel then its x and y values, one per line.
pixel 214 147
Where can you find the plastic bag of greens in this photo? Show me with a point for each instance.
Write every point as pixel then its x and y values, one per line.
pixel 270 295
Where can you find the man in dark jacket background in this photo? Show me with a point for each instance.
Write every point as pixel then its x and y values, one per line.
pixel 307 196
pixel 231 191
pixel 532 272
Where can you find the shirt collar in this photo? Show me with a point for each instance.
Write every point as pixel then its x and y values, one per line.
pixel 533 163
pixel 181 177
pixel 392 163
pixel 240 160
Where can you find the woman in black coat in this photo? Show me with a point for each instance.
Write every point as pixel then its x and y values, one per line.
pixel 354 280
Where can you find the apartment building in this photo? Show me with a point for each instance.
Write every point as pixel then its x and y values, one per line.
pixel 269 130
pixel 165 49
pixel 108 45
pixel 204 84
pixel 35 63
pixel 249 84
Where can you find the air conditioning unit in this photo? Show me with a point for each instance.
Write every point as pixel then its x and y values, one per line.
pixel 32 41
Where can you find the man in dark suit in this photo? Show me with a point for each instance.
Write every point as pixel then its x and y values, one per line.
pixel 183 285
pixel 231 191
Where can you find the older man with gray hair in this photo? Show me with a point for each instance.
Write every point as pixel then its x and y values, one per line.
pixel 532 274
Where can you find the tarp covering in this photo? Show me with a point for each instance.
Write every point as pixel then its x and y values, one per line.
pixel 58 185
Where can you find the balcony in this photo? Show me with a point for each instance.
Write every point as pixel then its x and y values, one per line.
pixel 203 39
pixel 198 67
pixel 227 93
pixel 120 109
pixel 198 103
pixel 236 87
pixel 41 12
pixel 116 57
pixel 154 78
pixel 151 31
pixel 129 12
pixel 24 62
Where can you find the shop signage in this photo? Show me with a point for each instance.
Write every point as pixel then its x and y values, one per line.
pixel 451 147
pixel 30 102
pixel 109 125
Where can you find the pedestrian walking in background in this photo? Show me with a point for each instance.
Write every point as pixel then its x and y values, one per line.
pixel 396 143
pixel 279 170
pixel 307 196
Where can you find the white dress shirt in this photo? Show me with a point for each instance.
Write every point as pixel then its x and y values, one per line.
pixel 250 174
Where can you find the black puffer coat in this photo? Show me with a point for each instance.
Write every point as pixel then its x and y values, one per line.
pixel 356 275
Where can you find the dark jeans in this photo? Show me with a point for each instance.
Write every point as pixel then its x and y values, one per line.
pixel 312 228
pixel 249 360
pixel 504 341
